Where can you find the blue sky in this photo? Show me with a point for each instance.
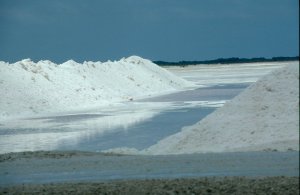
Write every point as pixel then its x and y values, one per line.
pixel 169 30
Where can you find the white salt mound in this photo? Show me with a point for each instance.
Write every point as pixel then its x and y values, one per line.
pixel 29 88
pixel 263 117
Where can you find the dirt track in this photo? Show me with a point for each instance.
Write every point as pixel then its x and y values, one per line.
pixel 217 185
pixel 74 172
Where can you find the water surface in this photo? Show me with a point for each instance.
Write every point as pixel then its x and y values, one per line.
pixel 137 124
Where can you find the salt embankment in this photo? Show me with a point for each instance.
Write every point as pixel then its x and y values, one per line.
pixel 28 88
pixel 263 117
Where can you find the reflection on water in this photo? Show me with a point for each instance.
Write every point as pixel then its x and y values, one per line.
pixel 144 134
pixel 68 118
pixel 49 135
pixel 134 124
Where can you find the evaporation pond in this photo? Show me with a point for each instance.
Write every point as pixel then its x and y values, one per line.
pixel 138 124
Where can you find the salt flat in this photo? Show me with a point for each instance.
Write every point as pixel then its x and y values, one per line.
pixel 69 128
pixel 217 74
pixel 263 117
pixel 65 166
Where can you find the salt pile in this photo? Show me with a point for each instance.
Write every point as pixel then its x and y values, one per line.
pixel 29 88
pixel 263 117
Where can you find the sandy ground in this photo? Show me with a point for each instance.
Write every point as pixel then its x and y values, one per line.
pixel 224 185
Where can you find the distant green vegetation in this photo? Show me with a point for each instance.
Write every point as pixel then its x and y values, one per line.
pixel 227 61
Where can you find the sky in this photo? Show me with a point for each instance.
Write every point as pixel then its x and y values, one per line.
pixel 169 30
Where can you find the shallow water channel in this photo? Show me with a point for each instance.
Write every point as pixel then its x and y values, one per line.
pixel 136 124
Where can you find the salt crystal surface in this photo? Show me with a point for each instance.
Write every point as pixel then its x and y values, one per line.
pixel 28 88
pixel 263 117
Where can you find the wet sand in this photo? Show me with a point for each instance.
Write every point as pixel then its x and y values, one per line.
pixel 216 185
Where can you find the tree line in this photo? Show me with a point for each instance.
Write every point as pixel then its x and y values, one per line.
pixel 233 60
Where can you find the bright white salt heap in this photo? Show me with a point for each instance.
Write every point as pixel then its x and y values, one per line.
pixel 263 117
pixel 29 88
